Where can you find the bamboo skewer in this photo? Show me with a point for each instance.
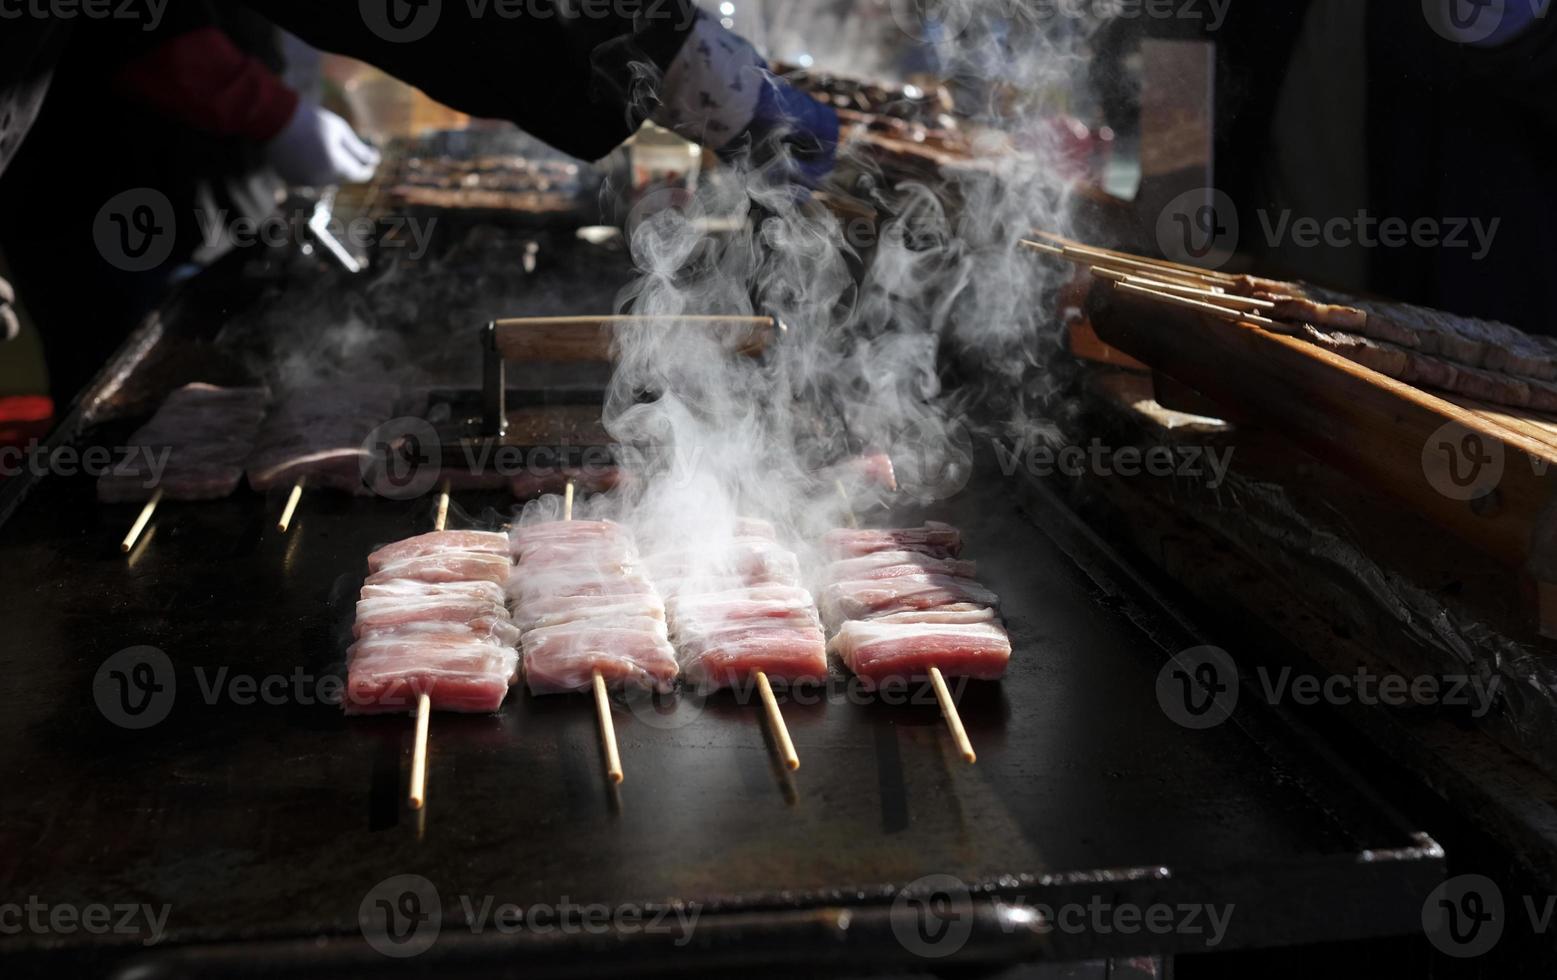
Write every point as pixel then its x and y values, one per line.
pixel 607 730
pixel 953 719
pixel 419 752
pixel 602 699
pixel 786 745
pixel 1076 247
pixel 291 507
pixel 1227 300
pixel 1200 306
pixel 141 522
pixel 1093 257
pixel 441 518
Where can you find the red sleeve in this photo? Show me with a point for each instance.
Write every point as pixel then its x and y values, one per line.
pixel 200 78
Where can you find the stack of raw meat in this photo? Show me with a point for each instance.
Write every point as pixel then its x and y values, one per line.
pixel 432 619
pixel 200 436
pixel 582 604
pixel 901 601
pixel 318 433
pixel 741 611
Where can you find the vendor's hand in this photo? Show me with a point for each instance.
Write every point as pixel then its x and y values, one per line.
pixel 317 148
pixel 9 327
pixel 791 126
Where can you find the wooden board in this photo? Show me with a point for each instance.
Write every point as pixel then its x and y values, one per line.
pixel 588 338
pixel 1375 428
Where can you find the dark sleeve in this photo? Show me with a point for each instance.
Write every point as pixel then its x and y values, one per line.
pixel 202 80
pixel 578 74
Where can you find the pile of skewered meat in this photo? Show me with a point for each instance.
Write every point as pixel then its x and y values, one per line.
pixel 907 103
pixel 432 620
pixel 1479 359
pixel 741 611
pixel 504 181
pixel 900 602
pixel 582 606
pixel 200 436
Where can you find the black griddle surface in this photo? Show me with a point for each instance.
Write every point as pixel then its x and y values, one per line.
pixel 269 822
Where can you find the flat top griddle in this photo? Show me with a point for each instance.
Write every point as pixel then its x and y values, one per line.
pixel 265 826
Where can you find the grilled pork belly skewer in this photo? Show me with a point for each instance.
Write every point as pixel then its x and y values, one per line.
pixel 742 618
pixel 597 681
pixel 903 604
pixel 432 620
pixel 588 618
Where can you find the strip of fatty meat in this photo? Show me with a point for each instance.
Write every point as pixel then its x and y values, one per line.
pixel 437 542
pixel 877 651
pixel 868 598
pixel 936 539
pixel 584 608
pixel 895 564
pixel 433 618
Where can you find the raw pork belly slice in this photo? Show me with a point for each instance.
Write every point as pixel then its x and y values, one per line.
pixel 318 433
pixel 582 605
pixel 868 598
pixel 903 603
pixel 205 433
pixel 741 611
pixel 434 542
pixel 877 651
pixel 936 539
pixel 892 564
pixel 446 566
pixel 433 619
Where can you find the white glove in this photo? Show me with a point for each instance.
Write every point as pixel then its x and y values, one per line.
pixel 317 148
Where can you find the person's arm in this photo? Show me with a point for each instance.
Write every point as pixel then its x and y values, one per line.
pixel 581 75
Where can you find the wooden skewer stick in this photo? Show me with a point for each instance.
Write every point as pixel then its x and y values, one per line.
pixel 949 712
pixel 291 507
pixel 786 745
pixel 607 730
pixel 419 752
pixel 1199 306
pixel 441 519
pixel 1090 257
pixel 602 700
pixel 141 522
pixel 1228 300
pixel 1073 245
